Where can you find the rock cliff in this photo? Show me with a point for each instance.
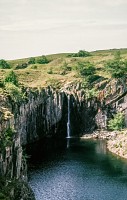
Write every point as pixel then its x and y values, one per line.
pixel 44 113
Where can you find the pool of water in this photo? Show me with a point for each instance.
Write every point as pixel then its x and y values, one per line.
pixel 79 170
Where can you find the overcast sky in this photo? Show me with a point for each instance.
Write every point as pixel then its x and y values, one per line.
pixel 37 27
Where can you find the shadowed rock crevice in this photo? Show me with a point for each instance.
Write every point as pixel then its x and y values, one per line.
pixel 46 115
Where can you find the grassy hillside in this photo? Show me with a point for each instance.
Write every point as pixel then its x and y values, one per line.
pixel 61 68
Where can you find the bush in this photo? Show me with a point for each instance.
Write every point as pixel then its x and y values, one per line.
pixel 81 53
pixel 34 67
pixel 14 92
pixel 92 78
pixel 4 64
pixel 116 68
pixel 31 60
pixel 11 78
pixel 91 93
pixel 8 137
pixel 117 123
pixel 21 66
pixel 42 60
pixel 65 67
pixel 117 55
pixel 50 71
pixel 1 84
pixel 86 69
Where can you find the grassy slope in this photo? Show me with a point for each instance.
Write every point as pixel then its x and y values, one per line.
pixel 36 75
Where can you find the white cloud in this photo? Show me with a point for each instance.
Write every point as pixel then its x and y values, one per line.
pixel 26 20
pixel 116 2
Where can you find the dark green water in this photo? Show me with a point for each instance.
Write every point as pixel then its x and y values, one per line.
pixel 79 170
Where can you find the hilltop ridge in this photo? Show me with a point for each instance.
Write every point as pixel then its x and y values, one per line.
pixel 60 68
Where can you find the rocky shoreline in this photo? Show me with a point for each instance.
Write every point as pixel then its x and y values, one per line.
pixel 118 145
pixel 116 140
pixel 101 134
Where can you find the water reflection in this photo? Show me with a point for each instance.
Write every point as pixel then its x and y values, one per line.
pixel 80 170
pixel 100 147
pixel 68 143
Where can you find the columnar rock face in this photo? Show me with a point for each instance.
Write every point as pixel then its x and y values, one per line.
pixel 36 117
pixel 13 168
pixel 82 114
pixel 42 114
pixel 45 111
pixel 11 163
pixel 113 99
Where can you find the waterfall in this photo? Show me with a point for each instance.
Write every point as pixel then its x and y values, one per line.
pixel 68 120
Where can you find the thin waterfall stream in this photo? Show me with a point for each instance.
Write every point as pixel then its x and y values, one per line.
pixel 68 121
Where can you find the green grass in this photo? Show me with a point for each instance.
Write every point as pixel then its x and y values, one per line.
pixel 36 75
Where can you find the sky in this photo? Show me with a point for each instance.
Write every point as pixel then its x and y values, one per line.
pixel 40 27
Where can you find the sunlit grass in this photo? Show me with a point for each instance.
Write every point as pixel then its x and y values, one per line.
pixel 35 75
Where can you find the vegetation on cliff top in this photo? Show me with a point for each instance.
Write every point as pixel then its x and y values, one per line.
pixel 37 71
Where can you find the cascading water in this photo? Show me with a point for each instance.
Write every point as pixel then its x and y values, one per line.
pixel 68 120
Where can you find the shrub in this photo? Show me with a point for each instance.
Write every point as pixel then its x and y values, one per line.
pixel 65 67
pixel 50 71
pixel 4 64
pixel 21 66
pixel 81 53
pixel 34 67
pixel 11 78
pixel 92 78
pixel 1 84
pixel 116 68
pixel 42 60
pixel 14 92
pixel 84 84
pixel 91 93
pixel 86 69
pixel 117 123
pixel 31 60
pixel 9 133
pixel 117 55
pixel 8 137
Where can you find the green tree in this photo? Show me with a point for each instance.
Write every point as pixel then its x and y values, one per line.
pixel 4 64
pixel 11 77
